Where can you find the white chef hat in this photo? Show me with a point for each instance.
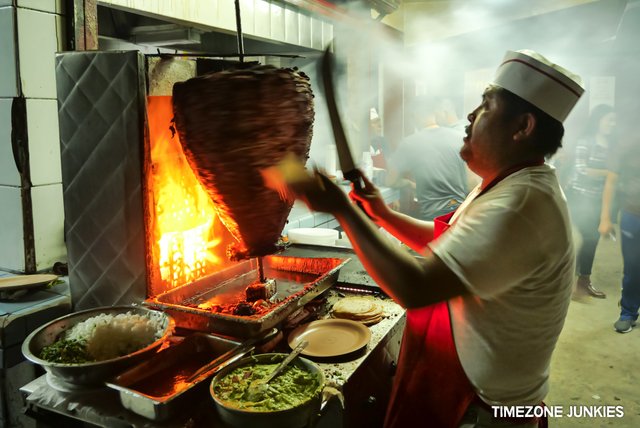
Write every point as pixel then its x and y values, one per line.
pixel 373 114
pixel 546 85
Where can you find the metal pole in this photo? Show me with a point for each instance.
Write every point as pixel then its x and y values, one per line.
pixel 85 24
pixel 239 32
pixel 261 270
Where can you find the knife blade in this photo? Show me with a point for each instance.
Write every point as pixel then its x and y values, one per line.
pixel 347 165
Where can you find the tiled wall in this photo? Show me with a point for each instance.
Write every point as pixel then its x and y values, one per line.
pixel 31 32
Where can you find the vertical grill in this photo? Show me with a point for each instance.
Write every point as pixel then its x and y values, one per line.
pixel 110 170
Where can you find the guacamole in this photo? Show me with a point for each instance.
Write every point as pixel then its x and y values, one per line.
pixel 291 388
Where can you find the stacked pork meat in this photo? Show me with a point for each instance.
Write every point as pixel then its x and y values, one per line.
pixel 232 125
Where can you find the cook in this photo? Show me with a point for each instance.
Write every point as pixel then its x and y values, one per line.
pixel 486 304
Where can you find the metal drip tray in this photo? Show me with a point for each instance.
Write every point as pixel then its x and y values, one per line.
pixel 298 280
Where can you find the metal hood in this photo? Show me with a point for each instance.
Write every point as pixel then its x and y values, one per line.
pixel 194 22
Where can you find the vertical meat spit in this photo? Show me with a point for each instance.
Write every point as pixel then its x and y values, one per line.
pixel 264 288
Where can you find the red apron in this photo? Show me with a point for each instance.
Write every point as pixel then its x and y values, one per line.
pixel 430 384
pixel 431 388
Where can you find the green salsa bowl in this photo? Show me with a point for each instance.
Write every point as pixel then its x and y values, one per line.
pixel 292 398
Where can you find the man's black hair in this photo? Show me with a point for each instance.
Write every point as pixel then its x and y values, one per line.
pixel 548 132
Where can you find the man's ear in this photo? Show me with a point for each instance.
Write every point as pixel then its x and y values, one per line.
pixel 526 124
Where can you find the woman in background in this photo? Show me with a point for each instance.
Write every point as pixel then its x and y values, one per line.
pixel 585 191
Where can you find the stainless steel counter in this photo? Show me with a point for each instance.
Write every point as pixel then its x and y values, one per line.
pixel 365 382
pixel 101 407
pixel 19 316
pixel 340 372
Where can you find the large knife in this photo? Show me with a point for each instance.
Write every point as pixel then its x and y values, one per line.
pixel 348 167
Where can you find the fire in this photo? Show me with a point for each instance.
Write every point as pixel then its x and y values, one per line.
pixel 185 233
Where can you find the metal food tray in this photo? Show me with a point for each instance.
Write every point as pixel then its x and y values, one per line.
pixel 298 281
pixel 159 388
pixel 352 275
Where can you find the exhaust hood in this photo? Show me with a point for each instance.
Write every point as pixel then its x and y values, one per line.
pixel 171 25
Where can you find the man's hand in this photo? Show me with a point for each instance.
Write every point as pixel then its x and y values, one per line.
pixel 606 226
pixel 370 199
pixel 320 193
pixel 292 181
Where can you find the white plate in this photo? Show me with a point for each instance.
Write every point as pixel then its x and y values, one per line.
pixel 313 236
pixel 19 282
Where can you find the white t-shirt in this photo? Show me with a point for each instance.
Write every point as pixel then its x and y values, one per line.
pixel 512 248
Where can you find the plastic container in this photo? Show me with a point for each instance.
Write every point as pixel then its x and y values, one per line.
pixel 313 236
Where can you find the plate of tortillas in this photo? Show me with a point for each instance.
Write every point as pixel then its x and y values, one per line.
pixel 331 337
pixel 361 309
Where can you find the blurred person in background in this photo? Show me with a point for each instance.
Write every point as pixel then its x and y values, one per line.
pixel 379 146
pixel 447 115
pixel 487 301
pixel 623 177
pixel 584 191
pixel 431 159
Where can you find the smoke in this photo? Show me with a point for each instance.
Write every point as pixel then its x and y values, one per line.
pixel 322 139
pixel 454 51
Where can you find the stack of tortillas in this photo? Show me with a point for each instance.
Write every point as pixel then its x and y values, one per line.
pixel 359 309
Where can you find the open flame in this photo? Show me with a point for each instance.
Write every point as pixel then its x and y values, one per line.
pixel 186 235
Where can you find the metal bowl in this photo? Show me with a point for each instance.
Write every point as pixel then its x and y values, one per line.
pixel 295 417
pixel 94 373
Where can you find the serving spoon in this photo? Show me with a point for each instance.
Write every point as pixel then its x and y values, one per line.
pixel 233 355
pixel 259 386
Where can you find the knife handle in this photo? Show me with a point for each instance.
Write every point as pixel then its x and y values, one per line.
pixel 359 204
pixel 355 176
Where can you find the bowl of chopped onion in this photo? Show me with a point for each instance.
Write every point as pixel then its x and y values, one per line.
pixel 89 347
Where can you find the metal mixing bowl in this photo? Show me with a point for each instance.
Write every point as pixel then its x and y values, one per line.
pixel 295 417
pixel 95 373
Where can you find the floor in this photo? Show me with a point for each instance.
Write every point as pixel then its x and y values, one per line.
pixel 593 365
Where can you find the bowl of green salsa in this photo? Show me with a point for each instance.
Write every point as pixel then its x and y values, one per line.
pixel 291 399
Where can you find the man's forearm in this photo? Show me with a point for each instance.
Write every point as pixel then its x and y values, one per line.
pixel 411 231
pixel 607 196
pixel 411 281
pixel 389 266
